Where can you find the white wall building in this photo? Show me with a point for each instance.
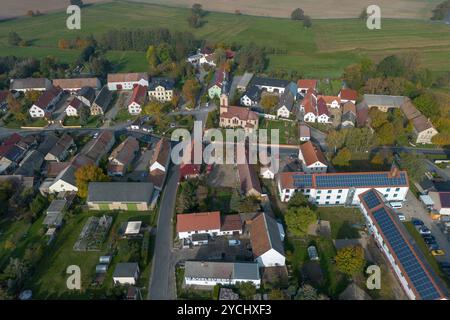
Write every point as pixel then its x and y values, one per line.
pixel 126 81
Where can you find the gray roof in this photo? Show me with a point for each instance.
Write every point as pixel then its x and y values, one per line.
pixel 167 83
pixel 245 80
pixel 125 269
pixel 57 206
pixel 49 141
pixel 286 100
pixel 53 219
pixel 222 270
pixel 253 93
pixel 383 100
pixel 120 192
pixel 67 175
pixel 269 82
pixel 30 164
pixel 87 92
pixel 28 83
pixel 104 98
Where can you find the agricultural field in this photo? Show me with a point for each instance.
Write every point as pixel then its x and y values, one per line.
pixel 322 51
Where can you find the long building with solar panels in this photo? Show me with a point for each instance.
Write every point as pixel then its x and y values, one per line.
pixel 411 269
pixel 343 188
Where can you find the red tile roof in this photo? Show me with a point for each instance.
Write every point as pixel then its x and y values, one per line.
pixel 311 153
pixel 231 222
pixel 349 107
pixel 322 107
pixel 127 77
pixel 243 114
pixel 309 103
pixel 198 221
pixel 47 97
pixel 139 95
pixel 307 83
pixel 348 94
pixel 248 178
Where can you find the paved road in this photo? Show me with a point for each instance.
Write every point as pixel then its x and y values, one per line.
pixel 162 282
pixel 413 208
pixel 443 173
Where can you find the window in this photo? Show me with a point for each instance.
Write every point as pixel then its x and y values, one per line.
pixel 395 195
pixel 327 202
pixel 397 189
pixel 319 192
pixel 328 197
pixel 388 189
pixel 339 191
pixel 317 198
pixel 329 191
pixel 338 197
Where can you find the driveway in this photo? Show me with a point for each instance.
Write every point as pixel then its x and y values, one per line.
pixel 162 281
pixel 413 208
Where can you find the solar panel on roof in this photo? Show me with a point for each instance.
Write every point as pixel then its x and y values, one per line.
pixel 371 199
pixel 303 181
pixel 359 180
pixel 409 261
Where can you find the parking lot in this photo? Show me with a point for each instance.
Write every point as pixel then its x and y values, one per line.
pixel 414 209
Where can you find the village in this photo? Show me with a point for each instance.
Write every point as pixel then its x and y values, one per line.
pixel 91 158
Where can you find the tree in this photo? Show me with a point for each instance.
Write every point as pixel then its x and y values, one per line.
pixel 297 14
pixel 63 44
pixel 249 204
pixel 84 115
pixel 308 292
pixel 441 12
pixel 5 194
pixel 247 290
pixel 414 165
pixel 14 39
pixel 152 59
pixel 99 65
pixel 350 260
pixel 38 204
pixel 190 90
pixel 377 118
pixel 342 158
pixel 428 105
pixel 298 200
pixel 385 134
pixel 299 219
pixel 269 101
pixel 277 294
pixel 155 109
pixel 86 174
pixel 197 9
pixel 391 66
pixel 307 22
pixel 363 15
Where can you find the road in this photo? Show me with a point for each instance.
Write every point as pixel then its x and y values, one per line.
pixel 413 208
pixel 162 281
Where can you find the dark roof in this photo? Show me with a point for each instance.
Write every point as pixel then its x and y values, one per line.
pixel 49 141
pixel 167 83
pixel 269 82
pixel 254 93
pixel 286 100
pixel 30 164
pixel 76 103
pixel 47 97
pixel 127 192
pixel 103 98
pixel 125 270
pixel 87 92
pixel 322 107
pixel 445 199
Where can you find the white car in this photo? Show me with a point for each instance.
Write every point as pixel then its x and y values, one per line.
pixel 233 243
pixel 401 217
pixel 424 230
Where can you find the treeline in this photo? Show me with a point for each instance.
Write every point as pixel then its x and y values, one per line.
pixel 442 11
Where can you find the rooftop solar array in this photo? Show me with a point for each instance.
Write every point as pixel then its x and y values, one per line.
pixel 420 279
pixel 303 181
pixel 371 199
pixel 359 180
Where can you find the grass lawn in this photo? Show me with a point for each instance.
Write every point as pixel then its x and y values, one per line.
pixel 71 121
pixel 190 294
pixel 49 280
pixel 323 50
pixel 342 220
pixel 123 115
pixel 288 131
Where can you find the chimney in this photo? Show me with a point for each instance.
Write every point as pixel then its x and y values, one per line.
pixel 395 172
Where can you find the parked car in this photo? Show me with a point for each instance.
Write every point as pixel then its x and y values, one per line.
pixel 312 252
pixel 433 246
pixel 401 217
pixel 428 237
pixel 424 230
pixel 396 205
pixel 438 252
pixel 233 243
pixel 444 265
pixel 417 222
pixel 429 241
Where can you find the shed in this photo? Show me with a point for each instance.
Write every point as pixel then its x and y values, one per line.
pixel 126 273
pixel 427 200
pixel 101 268
pixel 133 228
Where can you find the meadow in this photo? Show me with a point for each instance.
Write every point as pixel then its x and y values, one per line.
pixel 321 51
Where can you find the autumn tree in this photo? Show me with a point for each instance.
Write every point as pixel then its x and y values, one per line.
pixel 152 59
pixel 269 101
pixel 350 260
pixel 276 294
pixel 299 219
pixel 190 90
pixel 155 109
pixel 428 105
pixel 342 158
pixel 63 44
pixel 87 174
pixel 385 134
pixel 414 165
pixel 247 290
pixel 308 292
pixel 377 118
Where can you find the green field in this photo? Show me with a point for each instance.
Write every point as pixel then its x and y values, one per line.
pixel 323 50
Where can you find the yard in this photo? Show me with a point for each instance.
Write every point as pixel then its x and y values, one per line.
pixel 321 51
pixel 92 122
pixel 287 130
pixel 342 220
pixel 49 279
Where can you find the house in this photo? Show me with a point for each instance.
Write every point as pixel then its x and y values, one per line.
pixel 347 95
pixel 267 173
pixel 161 89
pixel 4 100
pixel 61 149
pixel 137 100
pixel 362 114
pixel 126 273
pixel 304 85
pixel 126 81
pixel 73 109
pixel 198 223
pixel 55 213
pixel 424 130
pixel 121 158
pixel 333 102
pixel 244 81
pixel 441 202
pixel 129 196
pixel 231 224
pixel 251 97
pixel 101 102
pixel 46 103
pixel 305 132
pixel 313 160
pixel 285 105
pixel 323 116
pixel 160 162
pixel 189 169
pixel 211 273
pixel 410 267
pixel 31 164
pixel 343 188
pixel 308 107
pixel 269 84
pixel 348 118
pixel 265 239
pixel 74 85
pixel 99 147
pixel 64 182
pixel 248 180
pixel 219 84
pixel 86 95
pixel 383 102
pixel 238 117
pixel 30 84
